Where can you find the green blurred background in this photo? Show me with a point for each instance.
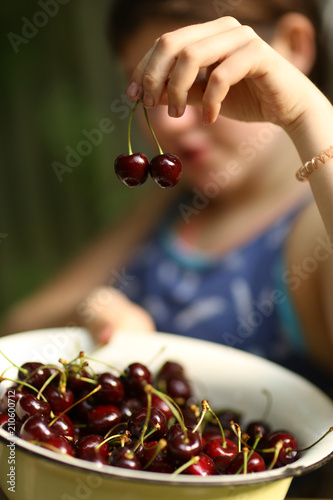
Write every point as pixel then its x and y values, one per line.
pixel 57 80
pixel 54 85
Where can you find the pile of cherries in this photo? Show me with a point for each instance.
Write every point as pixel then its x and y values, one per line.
pixel 133 420
pixel 133 169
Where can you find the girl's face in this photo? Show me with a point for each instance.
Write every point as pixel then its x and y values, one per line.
pixel 220 153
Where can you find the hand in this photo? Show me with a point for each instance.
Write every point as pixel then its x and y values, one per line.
pixel 106 310
pixel 243 77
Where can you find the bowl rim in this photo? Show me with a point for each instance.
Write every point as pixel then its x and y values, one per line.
pixel 107 471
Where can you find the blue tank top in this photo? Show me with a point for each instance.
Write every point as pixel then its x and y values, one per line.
pixel 240 299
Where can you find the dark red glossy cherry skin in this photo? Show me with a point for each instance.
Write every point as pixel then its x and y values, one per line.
pixel 29 405
pixel 3 418
pixel 63 426
pixel 254 428
pixel 285 456
pixel 36 375
pixel 75 382
pixel 166 170
pixel 60 443
pixel 170 369
pixel 112 390
pixel 102 418
pixel 90 448
pixel 161 462
pixel 12 394
pixel 255 463
pixel 221 463
pixel 137 376
pixel 132 169
pixel 215 448
pixel 124 457
pixel 59 400
pixel 182 448
pixel 157 418
pixel 36 428
pixel 178 389
pixel 204 467
pixel 128 406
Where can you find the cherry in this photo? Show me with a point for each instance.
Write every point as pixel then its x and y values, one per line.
pixel 182 447
pixel 60 443
pixel 13 428
pixel 161 405
pixel 3 418
pixel 112 390
pixel 102 418
pixel 13 394
pixel 29 405
pixel 178 389
pixel 158 462
pixel 221 464
pixel 35 373
pixel 58 399
pixel 166 170
pixel 156 421
pixel 204 466
pixel 93 449
pixel 255 463
pixel 128 406
pixel 137 376
pixel 63 426
pixel 217 447
pixel 228 416
pixel 288 452
pixel 36 428
pixel 74 379
pixel 132 169
pixel 126 458
pixel 170 369
pixel 255 428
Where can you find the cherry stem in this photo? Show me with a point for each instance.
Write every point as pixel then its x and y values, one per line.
pixel 152 131
pixel 237 430
pixel 121 424
pixel 176 411
pixel 76 403
pixel 104 363
pixel 193 460
pixel 110 438
pixel 277 449
pixel 130 151
pixel 205 408
pixel 20 369
pixel 25 384
pixel 46 383
pixel 49 447
pixel 246 459
pixel 224 443
pixel 289 450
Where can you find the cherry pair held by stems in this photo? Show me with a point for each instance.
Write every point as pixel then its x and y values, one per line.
pixel 133 169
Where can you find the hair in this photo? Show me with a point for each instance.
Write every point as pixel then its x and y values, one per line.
pixel 128 16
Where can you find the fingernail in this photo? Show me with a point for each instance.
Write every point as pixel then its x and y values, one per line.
pixel 148 100
pixel 173 111
pixel 132 90
pixel 206 118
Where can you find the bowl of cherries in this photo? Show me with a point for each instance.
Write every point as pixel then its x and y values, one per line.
pixel 152 416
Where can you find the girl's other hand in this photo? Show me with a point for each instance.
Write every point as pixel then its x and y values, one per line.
pixel 106 310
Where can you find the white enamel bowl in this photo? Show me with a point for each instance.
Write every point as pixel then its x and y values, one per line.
pixel 225 376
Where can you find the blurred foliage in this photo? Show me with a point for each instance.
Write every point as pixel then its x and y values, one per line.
pixel 58 79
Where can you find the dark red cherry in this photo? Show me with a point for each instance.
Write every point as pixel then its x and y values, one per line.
pixel 170 369
pixel 29 405
pixel 63 426
pixel 204 467
pixel 137 376
pixel 161 405
pixel 178 389
pixel 166 170
pixel 255 463
pixel 112 390
pixel 13 428
pixel 35 374
pixel 157 422
pixel 128 406
pixel 91 448
pixel 132 169
pixel 215 447
pixel 255 428
pixel 221 464
pixel 3 418
pixel 59 400
pixel 125 458
pixel 36 428
pixel 12 395
pixel 182 448
pixel 60 444
pixel 74 379
pixel 159 462
pixel 288 452
pixel 102 418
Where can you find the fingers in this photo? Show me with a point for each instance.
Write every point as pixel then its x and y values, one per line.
pixel 151 74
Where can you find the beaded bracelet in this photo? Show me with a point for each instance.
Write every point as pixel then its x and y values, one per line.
pixel 303 173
